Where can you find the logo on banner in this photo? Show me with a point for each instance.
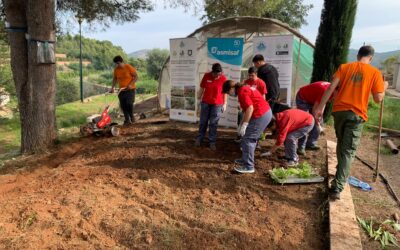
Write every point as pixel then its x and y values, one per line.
pixel 236 43
pixel 214 50
pixel 282 50
pixel 190 52
pixel 261 46
pixel 182 44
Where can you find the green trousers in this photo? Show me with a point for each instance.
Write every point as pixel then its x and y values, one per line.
pixel 348 128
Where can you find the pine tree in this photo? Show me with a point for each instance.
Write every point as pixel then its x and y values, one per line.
pixel 333 41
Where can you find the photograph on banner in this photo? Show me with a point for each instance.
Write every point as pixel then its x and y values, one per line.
pixel 183 52
pixel 229 53
pixel 278 51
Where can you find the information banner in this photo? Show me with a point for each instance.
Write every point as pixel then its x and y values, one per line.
pixel 229 53
pixel 278 51
pixel 183 52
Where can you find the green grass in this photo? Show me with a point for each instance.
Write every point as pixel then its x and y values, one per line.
pixel 391 113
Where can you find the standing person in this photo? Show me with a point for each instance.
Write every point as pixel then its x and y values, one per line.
pixel 354 83
pixel 269 74
pixel 213 104
pixel 254 82
pixel 126 77
pixel 257 115
pixel 307 99
pixel 292 126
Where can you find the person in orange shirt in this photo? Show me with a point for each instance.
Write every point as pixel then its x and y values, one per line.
pixel 354 83
pixel 126 77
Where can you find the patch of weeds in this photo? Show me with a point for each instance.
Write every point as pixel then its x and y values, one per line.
pixel 171 238
pixel 385 151
pixel 384 232
pixel 376 203
pixel 27 219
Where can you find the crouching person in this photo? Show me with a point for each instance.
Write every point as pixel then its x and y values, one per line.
pixel 257 115
pixel 292 127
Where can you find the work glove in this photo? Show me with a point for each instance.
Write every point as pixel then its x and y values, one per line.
pixel 266 154
pixel 223 108
pixel 242 129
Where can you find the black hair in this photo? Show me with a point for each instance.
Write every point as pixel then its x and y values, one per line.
pixel 227 86
pixel 258 58
pixel 252 70
pixel 366 50
pixel 279 107
pixel 118 59
pixel 216 68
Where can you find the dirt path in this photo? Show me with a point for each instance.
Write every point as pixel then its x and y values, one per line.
pixel 150 188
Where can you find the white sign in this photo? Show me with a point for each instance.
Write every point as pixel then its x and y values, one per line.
pixel 278 51
pixel 183 54
pixel 229 53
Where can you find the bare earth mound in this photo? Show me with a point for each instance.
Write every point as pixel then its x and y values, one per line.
pixel 150 188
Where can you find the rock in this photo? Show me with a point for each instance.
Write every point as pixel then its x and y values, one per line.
pixel 396 217
pixel 148 238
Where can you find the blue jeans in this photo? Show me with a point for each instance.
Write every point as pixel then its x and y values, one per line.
pixel 249 140
pixel 209 116
pixel 296 139
pixel 314 133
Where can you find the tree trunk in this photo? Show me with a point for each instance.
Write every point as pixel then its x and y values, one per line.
pixel 35 83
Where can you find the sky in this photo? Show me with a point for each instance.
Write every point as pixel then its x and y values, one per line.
pixel 377 23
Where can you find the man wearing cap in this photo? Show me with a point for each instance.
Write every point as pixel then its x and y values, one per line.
pixel 213 103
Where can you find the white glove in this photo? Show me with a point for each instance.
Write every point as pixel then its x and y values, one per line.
pixel 266 154
pixel 242 128
pixel 223 108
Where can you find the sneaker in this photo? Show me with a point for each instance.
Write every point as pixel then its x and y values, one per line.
pixel 238 139
pixel 313 148
pixel 301 152
pixel 292 163
pixel 213 147
pixel 334 195
pixel 244 170
pixel 238 161
pixel 127 123
pixel 197 143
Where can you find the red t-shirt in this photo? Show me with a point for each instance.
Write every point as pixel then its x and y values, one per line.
pixel 313 92
pixel 213 89
pixel 248 96
pixel 259 84
pixel 291 120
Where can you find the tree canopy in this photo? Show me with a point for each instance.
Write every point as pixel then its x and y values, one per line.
pixel 292 12
pixel 100 53
pixel 155 60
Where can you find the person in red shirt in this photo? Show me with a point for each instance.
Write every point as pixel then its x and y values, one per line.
pixel 291 125
pixel 254 82
pixel 213 104
pixel 307 98
pixel 257 115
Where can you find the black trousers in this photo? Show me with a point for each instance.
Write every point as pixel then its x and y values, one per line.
pixel 126 101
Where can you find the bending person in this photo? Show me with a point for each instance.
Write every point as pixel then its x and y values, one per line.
pixel 307 99
pixel 257 115
pixel 292 127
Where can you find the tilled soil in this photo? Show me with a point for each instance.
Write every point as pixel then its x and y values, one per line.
pixel 151 188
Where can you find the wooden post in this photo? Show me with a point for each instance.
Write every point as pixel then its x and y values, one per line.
pixel 379 142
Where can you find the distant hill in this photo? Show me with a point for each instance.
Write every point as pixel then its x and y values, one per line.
pixel 139 54
pixel 378 58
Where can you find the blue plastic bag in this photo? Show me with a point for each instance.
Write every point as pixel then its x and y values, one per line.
pixel 358 183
